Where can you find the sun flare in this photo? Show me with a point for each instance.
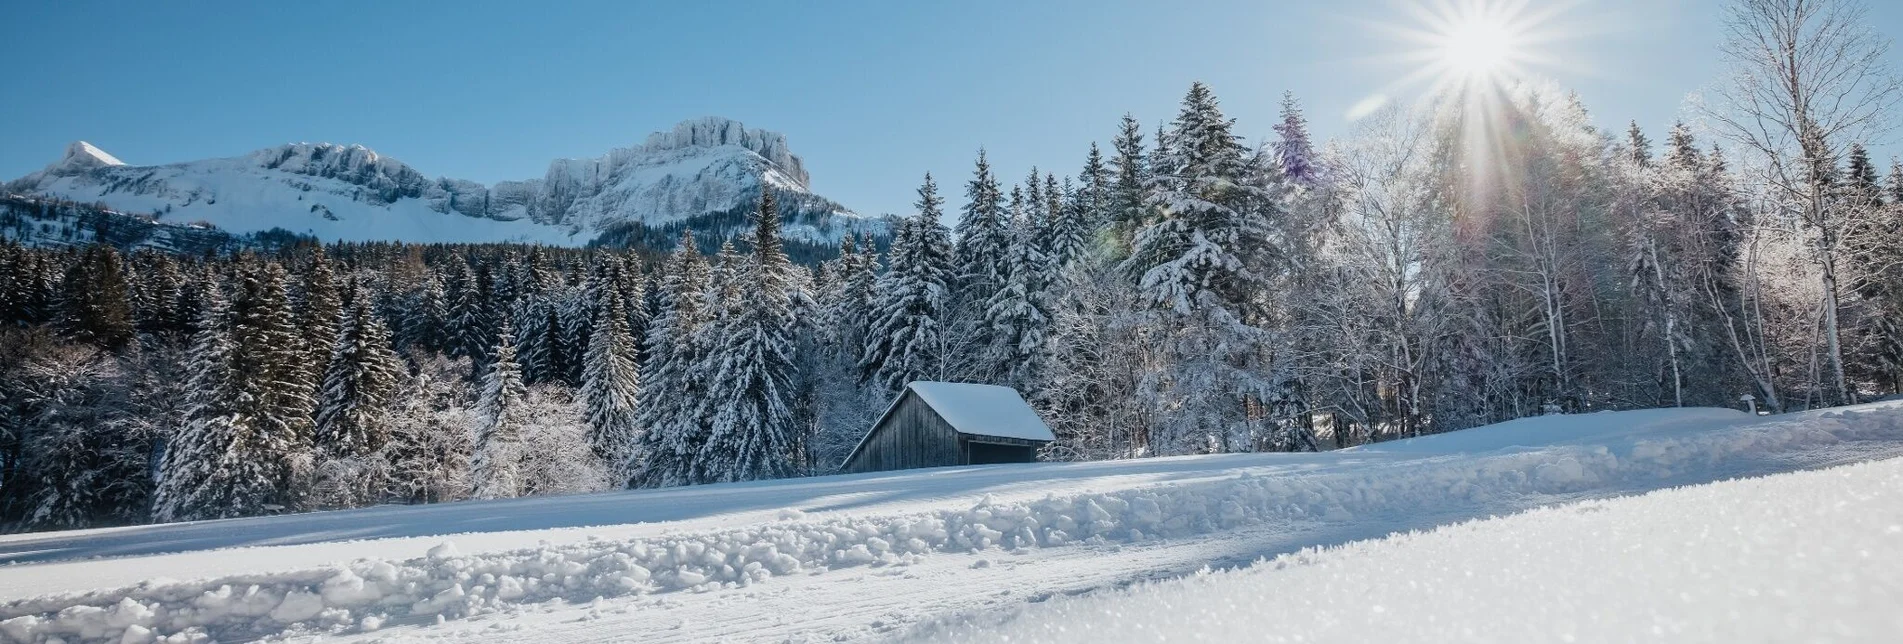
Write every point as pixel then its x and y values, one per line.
pixel 1472 49
pixel 1478 46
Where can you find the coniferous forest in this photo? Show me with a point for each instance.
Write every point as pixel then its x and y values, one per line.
pixel 1184 290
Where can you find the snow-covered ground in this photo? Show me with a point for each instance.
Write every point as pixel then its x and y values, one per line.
pixel 934 553
pixel 1805 556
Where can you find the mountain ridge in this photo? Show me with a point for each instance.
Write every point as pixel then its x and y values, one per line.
pixel 694 172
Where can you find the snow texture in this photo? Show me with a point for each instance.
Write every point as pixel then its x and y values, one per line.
pixel 983 410
pixel 759 532
pixel 1807 556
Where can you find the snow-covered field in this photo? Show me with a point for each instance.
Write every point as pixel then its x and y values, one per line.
pixel 953 553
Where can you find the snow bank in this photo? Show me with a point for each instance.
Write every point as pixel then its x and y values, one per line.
pixel 1808 556
pixel 373 593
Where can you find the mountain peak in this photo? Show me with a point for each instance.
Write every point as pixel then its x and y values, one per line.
pixel 80 154
pixel 714 131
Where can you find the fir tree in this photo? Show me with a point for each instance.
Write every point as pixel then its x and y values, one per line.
pixel 213 467
pixel 500 415
pixel 982 236
pixel 322 309
pixel 1294 151
pixel 95 303
pixel 1128 199
pixel 426 322
pixel 1018 314
pixel 611 391
pixel 669 443
pixel 362 376
pixel 753 433
pixel 905 341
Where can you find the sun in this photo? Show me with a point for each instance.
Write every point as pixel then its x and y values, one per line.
pixel 1478 46
pixel 1470 49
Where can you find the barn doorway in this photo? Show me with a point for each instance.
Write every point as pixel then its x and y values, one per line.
pixel 989 453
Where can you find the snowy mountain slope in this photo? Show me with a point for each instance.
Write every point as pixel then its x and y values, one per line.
pixel 796 558
pixel 1804 556
pixel 700 168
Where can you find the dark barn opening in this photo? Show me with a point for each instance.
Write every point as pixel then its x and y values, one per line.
pixel 987 453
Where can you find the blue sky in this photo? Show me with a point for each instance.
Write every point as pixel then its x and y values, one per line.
pixel 872 94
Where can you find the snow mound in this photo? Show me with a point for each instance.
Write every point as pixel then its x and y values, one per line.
pixel 1808 556
pixel 445 583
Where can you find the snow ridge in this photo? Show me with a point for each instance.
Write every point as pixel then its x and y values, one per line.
pixel 371 593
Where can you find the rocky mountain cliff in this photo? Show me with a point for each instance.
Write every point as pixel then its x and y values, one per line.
pixel 702 174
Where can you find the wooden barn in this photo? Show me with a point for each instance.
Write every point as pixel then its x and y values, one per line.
pixel 934 424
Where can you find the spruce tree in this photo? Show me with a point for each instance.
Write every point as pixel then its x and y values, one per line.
pixel 95 304
pixel 611 391
pixel 1294 151
pixel 500 415
pixel 426 321
pixel 666 411
pixel 1018 314
pixel 752 431
pixel 215 466
pixel 1203 266
pixel 322 308
pixel 1128 199
pixel 982 236
pixel 277 385
pixel 906 338
pixel 363 374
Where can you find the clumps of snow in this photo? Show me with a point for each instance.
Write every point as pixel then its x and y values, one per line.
pixel 448 584
pixel 1805 556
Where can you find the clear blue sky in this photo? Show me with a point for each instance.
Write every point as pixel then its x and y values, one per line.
pixel 872 94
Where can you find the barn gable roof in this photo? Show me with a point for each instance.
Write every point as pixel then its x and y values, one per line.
pixel 970 409
pixel 983 410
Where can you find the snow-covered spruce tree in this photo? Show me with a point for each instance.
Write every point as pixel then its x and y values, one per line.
pixel 1204 266
pixel 611 386
pixel 500 415
pixel 471 330
pixel 1294 151
pixel 162 307
pixel 983 239
pixel 280 387
pixel 904 342
pixel 1017 313
pixel 1068 230
pixel 1127 204
pixel 665 412
pixel 752 431
pixel 1869 259
pixel 1880 265
pixel 212 468
pixel 426 320
pixel 1094 183
pixel 94 302
pixel 321 307
pixel 353 409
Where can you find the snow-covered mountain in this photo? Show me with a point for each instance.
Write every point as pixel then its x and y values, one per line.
pixel 702 174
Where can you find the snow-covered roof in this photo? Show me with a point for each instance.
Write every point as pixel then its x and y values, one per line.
pixel 983 410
